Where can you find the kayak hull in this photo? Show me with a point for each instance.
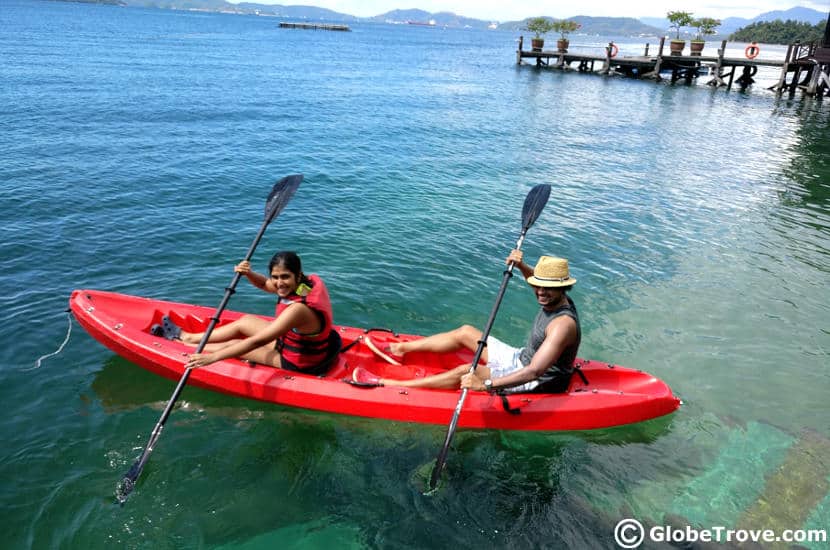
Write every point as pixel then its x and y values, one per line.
pixel 613 396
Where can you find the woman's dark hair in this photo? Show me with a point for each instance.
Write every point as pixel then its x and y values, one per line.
pixel 290 261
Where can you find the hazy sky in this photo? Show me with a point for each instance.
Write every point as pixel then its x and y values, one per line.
pixel 509 10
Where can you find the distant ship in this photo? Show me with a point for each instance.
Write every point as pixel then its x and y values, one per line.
pixel 430 23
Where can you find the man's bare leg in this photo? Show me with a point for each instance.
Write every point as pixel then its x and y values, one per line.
pixel 464 337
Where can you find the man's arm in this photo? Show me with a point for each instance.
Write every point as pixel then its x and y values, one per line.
pixel 516 257
pixel 560 333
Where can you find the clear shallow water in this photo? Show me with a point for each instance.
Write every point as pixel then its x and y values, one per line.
pixel 136 152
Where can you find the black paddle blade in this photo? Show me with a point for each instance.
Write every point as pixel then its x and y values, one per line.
pixel 280 195
pixel 124 489
pixel 535 202
pixel 436 472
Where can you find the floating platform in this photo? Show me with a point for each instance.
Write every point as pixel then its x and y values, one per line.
pixel 314 26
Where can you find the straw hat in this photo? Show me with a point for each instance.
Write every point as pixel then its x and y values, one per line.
pixel 551 272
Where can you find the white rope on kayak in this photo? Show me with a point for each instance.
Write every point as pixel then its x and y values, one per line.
pixel 60 349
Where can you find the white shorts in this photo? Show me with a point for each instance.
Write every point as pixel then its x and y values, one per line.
pixel 503 360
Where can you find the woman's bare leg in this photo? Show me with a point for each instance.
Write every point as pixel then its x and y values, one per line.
pixel 263 355
pixel 245 326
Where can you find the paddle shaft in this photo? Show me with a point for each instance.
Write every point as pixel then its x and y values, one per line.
pixel 281 193
pixel 135 471
pixel 442 455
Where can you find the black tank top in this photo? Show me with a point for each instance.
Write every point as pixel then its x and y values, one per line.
pixel 565 362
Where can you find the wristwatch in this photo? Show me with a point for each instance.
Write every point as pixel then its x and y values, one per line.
pixel 488 385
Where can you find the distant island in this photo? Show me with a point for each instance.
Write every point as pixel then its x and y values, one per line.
pixel 779 32
pixel 108 2
pixel 598 26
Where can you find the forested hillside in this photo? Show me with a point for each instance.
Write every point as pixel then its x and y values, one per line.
pixel 779 32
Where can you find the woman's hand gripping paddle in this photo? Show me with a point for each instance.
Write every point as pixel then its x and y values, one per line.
pixel 536 200
pixel 280 195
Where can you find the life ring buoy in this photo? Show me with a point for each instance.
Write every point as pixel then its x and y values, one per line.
pixel 752 51
pixel 614 49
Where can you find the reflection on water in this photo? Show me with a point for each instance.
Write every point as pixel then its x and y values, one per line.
pixel 331 455
pixel 810 173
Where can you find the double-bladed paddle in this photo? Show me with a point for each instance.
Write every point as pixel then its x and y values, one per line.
pixel 535 201
pixel 280 195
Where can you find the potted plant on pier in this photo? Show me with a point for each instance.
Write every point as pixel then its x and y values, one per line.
pixel 705 26
pixel 563 27
pixel 678 19
pixel 540 26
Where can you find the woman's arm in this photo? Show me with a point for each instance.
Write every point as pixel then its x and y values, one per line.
pixel 257 279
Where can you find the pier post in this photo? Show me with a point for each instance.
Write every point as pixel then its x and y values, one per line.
pixel 606 65
pixel 785 68
pixel 645 53
pixel 655 72
pixel 718 80
pixel 823 80
pixel 811 87
pixel 797 70
pixel 519 51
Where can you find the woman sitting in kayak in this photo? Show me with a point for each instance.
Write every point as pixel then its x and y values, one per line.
pixel 300 338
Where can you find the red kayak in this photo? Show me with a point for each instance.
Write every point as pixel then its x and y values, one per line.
pixel 606 395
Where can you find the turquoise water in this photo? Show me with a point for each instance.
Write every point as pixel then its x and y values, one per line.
pixel 136 151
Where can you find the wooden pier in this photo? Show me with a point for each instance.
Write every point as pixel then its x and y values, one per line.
pixel 810 68
pixel 314 26
pixel 809 65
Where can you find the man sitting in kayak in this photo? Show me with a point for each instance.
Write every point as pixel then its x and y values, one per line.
pixel 545 364
pixel 300 338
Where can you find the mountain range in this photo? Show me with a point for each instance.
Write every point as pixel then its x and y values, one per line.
pixel 620 26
